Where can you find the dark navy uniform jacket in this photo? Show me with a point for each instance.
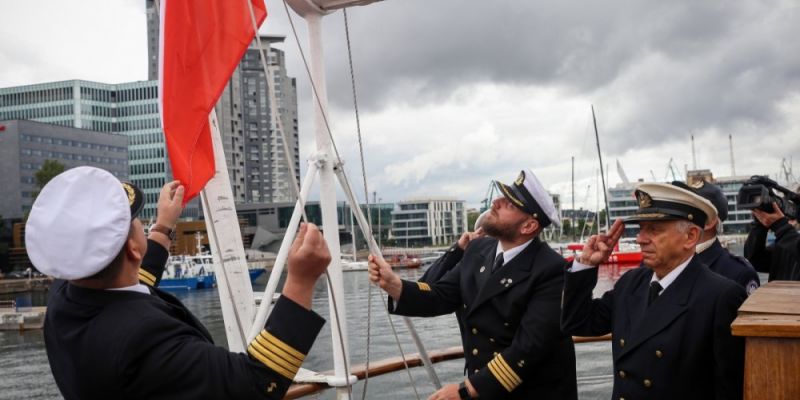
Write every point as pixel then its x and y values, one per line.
pixel 513 345
pixel 680 347
pixel 735 268
pixel 105 344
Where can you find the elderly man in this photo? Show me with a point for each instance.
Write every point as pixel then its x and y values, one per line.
pixel 670 321
pixel 506 292
pixel 710 252
pixel 111 335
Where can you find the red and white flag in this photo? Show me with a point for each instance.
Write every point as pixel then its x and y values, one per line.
pixel 201 43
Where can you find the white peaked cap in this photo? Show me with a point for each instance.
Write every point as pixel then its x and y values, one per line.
pixel 528 194
pixel 78 223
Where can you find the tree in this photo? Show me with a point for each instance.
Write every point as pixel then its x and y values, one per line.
pixel 50 168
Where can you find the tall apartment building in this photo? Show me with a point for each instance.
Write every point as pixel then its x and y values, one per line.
pixel 130 109
pixel 429 222
pixel 252 144
pixel 25 145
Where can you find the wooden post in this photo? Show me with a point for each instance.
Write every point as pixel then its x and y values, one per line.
pixel 770 322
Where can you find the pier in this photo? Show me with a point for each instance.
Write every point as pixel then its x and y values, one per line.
pixel 13 318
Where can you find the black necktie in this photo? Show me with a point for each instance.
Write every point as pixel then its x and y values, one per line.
pixel 498 262
pixel 655 287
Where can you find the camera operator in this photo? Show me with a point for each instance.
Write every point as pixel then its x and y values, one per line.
pixel 781 259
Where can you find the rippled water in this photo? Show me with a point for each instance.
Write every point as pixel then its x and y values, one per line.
pixel 25 373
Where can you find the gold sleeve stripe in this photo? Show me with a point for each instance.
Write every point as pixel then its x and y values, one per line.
pixel 424 286
pixel 268 353
pixel 150 277
pixel 500 378
pixel 263 343
pixel 145 279
pixel 283 346
pixel 501 362
pixel 500 373
pixel 271 365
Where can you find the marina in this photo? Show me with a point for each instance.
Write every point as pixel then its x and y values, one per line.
pixel 26 373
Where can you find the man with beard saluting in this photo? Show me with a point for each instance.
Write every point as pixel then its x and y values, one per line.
pixel 506 291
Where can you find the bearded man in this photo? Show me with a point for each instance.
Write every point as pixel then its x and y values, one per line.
pixel 506 292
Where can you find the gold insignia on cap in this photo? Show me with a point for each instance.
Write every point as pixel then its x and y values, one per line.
pixel 520 178
pixel 645 200
pixel 130 192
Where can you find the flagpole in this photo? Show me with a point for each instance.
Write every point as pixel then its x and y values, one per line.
pixel 233 277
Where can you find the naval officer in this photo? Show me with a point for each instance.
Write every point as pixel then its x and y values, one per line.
pixel 710 252
pixel 506 292
pixel 111 334
pixel 670 321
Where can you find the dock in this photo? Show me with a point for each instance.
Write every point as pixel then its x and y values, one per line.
pixel 25 285
pixel 13 318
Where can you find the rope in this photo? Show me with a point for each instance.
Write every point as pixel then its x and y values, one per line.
pixel 295 185
pixel 343 174
pixel 366 195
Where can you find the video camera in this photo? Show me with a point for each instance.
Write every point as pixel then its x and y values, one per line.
pixel 760 192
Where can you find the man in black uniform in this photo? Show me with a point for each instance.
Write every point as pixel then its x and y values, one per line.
pixel 109 336
pixel 710 252
pixel 781 259
pixel 506 292
pixel 670 321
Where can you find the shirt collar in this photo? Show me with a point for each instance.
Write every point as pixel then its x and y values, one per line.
pixel 134 288
pixel 671 276
pixel 705 245
pixel 512 252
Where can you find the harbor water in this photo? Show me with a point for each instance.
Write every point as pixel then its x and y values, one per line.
pixel 25 373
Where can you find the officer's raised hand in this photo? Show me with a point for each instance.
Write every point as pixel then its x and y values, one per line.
pixel 467 237
pixel 380 273
pixel 599 247
pixel 308 258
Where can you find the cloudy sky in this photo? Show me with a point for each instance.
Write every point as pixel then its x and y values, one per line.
pixel 453 94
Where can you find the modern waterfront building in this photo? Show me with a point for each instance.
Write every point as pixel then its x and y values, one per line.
pixel 130 109
pixel 26 145
pixel 622 203
pixel 253 144
pixel 428 222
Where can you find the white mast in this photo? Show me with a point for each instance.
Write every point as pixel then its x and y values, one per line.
pixel 733 166
pixel 327 166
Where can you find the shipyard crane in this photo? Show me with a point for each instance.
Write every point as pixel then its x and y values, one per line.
pixel 671 169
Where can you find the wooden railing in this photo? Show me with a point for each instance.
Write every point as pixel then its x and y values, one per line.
pixel 393 364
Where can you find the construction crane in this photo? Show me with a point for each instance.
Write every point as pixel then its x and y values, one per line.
pixel 672 169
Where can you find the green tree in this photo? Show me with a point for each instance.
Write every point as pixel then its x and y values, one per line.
pixel 472 216
pixel 50 168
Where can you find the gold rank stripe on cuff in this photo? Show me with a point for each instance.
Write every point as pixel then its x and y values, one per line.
pixel 147 277
pixel 424 286
pixel 276 354
pixel 503 373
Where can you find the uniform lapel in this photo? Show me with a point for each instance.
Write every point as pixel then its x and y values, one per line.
pixel 483 271
pixel 508 276
pixel 711 254
pixel 672 302
pixel 636 304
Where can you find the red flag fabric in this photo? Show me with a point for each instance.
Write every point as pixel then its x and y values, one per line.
pixel 202 42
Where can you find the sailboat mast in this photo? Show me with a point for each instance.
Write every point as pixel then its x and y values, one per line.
pixel 602 174
pixel 573 197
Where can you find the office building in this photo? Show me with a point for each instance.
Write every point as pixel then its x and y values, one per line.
pixel 26 145
pixel 428 222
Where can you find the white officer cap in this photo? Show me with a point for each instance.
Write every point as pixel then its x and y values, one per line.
pixel 79 222
pixel 664 201
pixel 528 194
